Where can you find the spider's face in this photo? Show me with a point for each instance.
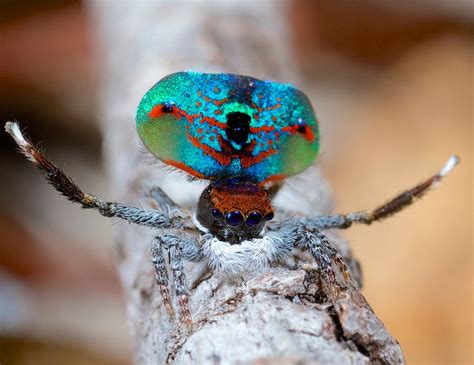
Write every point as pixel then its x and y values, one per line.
pixel 225 126
pixel 234 211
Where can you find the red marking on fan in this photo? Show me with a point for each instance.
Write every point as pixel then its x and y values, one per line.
pixel 273 178
pixel 186 168
pixel 246 161
pixel 307 132
pixel 221 158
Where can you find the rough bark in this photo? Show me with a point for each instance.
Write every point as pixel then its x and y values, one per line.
pixel 273 316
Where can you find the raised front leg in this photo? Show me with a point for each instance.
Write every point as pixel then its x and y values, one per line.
pixel 67 187
pixel 386 210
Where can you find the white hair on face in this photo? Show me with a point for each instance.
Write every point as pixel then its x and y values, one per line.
pixel 248 255
pixel 223 256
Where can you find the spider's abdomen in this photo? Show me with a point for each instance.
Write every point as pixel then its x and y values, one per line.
pixel 225 126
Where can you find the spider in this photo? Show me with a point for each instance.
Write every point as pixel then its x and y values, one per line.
pixel 245 136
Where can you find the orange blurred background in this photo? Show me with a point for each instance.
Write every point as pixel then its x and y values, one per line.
pixel 392 85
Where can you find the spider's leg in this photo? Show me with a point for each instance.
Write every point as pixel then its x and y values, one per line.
pixel 386 210
pixel 167 206
pixel 158 260
pixel 343 268
pixel 324 253
pixel 67 187
pixel 180 284
pixel 162 199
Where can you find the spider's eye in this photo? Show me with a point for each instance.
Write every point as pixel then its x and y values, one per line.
pixel 216 213
pixel 269 216
pixel 234 218
pixel 253 219
pixel 167 108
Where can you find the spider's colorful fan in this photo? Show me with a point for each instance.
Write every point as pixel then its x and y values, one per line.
pixel 225 126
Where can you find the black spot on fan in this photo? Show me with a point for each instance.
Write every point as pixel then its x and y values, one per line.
pixel 238 127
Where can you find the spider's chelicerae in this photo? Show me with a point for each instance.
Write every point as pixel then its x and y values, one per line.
pixel 244 135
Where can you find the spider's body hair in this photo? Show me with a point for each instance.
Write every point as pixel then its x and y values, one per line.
pixel 248 255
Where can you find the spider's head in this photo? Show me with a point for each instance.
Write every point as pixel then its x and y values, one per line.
pixel 234 211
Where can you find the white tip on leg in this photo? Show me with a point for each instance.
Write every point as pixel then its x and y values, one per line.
pixel 452 162
pixel 13 129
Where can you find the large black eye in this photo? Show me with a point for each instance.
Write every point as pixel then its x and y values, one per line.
pixel 234 218
pixel 253 219
pixel 216 213
pixel 238 127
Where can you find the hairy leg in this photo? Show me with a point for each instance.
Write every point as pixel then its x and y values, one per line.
pixel 162 199
pixel 386 210
pixel 67 187
pixel 167 206
pixel 158 260
pixel 180 284
pixel 326 256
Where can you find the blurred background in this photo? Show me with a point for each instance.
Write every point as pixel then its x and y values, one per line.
pixel 392 84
